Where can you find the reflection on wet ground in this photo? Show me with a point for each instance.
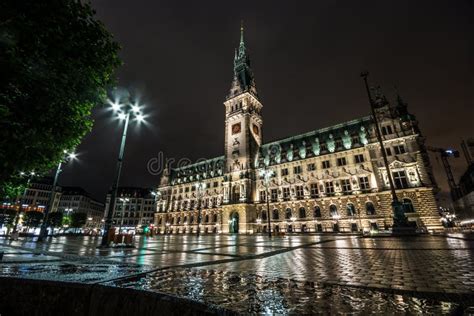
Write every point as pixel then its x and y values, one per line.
pixel 289 275
pixel 255 294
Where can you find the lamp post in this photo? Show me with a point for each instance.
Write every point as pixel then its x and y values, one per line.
pixel 200 186
pixel 267 174
pixel 399 218
pixel 124 109
pixel 44 226
pixel 20 207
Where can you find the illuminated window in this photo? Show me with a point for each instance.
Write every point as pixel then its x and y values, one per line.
pixel 370 208
pixel 299 192
pixel 286 193
pixel 288 213
pixel 351 210
pixel 314 190
pixel 400 179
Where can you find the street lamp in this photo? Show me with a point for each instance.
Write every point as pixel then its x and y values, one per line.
pixel 123 108
pixel 200 186
pixel 399 218
pixel 267 174
pixel 66 158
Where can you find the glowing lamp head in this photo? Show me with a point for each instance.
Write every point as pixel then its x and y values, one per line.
pixel 140 118
pixel 115 106
pixel 135 108
pixel 122 116
pixel 72 156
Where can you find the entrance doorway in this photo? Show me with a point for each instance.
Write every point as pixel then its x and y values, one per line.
pixel 234 223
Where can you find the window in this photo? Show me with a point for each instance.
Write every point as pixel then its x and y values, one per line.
pixel 326 164
pixel 387 130
pixel 400 179
pixel 275 214
pixel 302 212
pixel 284 172
pixel 317 211
pixel 185 220
pixel 364 183
pixel 388 151
pixel 346 185
pixel 264 215
pixel 215 184
pixel 356 139
pixel 299 192
pixel 191 219
pixel 186 189
pixel 311 167
pixel 288 213
pixel 206 219
pixel 329 188
pixel 314 190
pixel 351 210
pixel 286 194
pixel 400 149
pixel 263 195
pixel 341 161
pixel 333 210
pixel 359 158
pixel 274 195
pixel 297 169
pixel 179 220
pixel 214 218
pixel 408 206
pixel 370 208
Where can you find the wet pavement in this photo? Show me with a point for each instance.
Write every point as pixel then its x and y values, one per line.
pixel 286 275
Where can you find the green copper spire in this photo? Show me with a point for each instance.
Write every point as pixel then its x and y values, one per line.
pixel 243 76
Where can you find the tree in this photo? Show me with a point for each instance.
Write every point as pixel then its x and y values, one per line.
pixel 55 219
pixel 57 62
pixel 78 220
pixel 32 219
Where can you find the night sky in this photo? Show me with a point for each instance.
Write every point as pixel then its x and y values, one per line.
pixel 306 57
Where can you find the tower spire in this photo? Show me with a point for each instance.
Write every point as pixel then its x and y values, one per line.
pixel 241 32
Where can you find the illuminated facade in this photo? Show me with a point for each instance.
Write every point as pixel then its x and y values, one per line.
pixel 330 179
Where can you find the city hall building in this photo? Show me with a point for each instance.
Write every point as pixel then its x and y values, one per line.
pixel 332 179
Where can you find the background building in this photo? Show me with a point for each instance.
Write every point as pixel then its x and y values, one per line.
pixel 465 204
pixel 38 193
pixel 134 208
pixel 78 200
pixel 329 179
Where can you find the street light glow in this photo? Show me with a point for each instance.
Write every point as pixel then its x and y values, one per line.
pixel 115 105
pixel 140 117
pixel 122 116
pixel 135 108
pixel 72 155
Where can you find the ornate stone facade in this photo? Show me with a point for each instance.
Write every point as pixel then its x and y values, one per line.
pixel 330 179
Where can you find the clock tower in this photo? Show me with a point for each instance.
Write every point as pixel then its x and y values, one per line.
pixel 243 120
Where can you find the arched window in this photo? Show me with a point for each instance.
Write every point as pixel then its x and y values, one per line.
pixel 159 221
pixel 207 218
pixel 264 215
pixel 333 210
pixel 351 210
pixel 288 213
pixel 275 214
pixel 302 212
pixel 191 219
pixel 370 208
pixel 185 219
pixel 179 219
pixel 408 206
pixel 317 211
pixel 214 218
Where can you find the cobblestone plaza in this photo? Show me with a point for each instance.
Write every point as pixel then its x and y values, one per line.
pixel 294 274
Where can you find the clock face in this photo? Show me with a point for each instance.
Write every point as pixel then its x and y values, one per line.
pixel 236 128
pixel 256 130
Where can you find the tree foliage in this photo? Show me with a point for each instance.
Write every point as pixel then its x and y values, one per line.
pixel 78 220
pixel 32 218
pixel 57 62
pixel 55 219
